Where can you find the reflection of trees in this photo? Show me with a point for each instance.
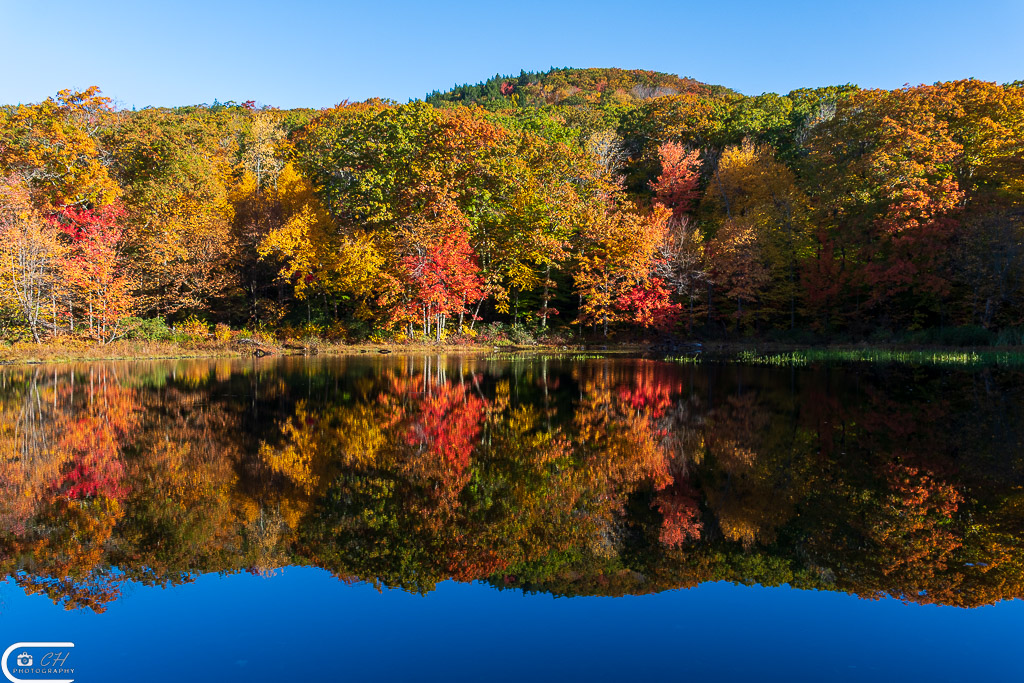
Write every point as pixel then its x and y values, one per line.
pixel 63 474
pixel 29 458
pixel 439 483
pixel 601 477
pixel 749 488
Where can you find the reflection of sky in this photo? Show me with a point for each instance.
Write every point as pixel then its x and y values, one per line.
pixel 304 624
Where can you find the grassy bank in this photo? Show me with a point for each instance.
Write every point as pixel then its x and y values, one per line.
pixel 950 357
pixel 75 350
pixel 740 352
pixel 70 350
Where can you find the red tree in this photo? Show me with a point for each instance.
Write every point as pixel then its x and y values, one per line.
pixel 444 279
pixel 98 289
pixel 677 186
pixel 650 305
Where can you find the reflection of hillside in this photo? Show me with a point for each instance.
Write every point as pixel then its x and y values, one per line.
pixel 597 477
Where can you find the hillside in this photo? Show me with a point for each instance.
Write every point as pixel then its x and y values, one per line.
pixel 568 86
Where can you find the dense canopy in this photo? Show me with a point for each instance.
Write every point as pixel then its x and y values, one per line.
pixel 567 203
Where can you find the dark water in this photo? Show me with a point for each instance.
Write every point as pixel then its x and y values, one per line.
pixel 481 519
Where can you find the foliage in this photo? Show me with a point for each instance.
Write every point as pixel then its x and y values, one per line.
pixel 526 200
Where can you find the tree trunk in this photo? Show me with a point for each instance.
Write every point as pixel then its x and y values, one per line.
pixel 476 313
pixel 547 298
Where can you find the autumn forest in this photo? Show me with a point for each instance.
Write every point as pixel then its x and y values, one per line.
pixel 574 203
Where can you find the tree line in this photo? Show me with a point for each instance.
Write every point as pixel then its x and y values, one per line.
pixel 574 202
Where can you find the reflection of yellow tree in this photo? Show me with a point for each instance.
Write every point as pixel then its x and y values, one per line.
pixel 526 492
pixel 910 534
pixel 992 548
pixel 29 457
pixel 617 433
pixel 745 495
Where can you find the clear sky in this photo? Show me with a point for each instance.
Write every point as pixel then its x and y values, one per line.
pixel 310 53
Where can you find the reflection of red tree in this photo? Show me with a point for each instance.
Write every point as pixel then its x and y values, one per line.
pixel 442 425
pixel 617 426
pixel 96 469
pixel 448 424
pixel 473 563
pixel 92 437
pixel 680 513
pixel 650 389
pixel 79 499
pixel 899 420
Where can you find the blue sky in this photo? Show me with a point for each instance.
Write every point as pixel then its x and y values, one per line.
pixel 308 53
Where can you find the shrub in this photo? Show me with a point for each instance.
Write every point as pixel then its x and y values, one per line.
pixel 381 336
pixel 972 335
pixel 798 336
pixel 336 332
pixel 520 334
pixel 357 329
pixel 882 335
pixel 194 328
pixel 147 329
pixel 222 332
pixel 261 336
pixel 497 333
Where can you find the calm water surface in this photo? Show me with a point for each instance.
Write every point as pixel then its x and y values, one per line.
pixel 488 519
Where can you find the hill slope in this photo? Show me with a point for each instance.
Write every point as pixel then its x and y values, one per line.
pixel 577 86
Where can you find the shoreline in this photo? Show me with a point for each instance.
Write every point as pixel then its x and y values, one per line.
pixel 38 354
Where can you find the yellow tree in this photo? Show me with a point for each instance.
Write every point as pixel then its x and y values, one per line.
pixel 317 257
pixel 737 255
pixel 176 167
pixel 988 121
pixel 528 242
pixel 30 250
pixel 764 232
pixel 54 147
pixel 256 212
pixel 616 253
pixel 260 154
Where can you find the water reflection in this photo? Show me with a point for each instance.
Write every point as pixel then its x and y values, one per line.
pixel 596 477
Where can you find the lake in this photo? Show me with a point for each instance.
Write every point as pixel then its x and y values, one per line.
pixel 505 517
